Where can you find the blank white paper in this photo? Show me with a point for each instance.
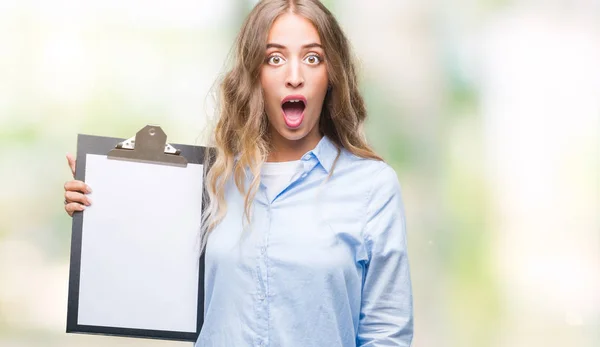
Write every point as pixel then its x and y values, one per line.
pixel 140 246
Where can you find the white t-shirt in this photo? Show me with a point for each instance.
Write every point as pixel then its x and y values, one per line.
pixel 277 175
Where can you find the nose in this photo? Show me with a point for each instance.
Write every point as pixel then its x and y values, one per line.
pixel 295 77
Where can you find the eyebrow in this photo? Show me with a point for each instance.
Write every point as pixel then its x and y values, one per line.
pixel 309 45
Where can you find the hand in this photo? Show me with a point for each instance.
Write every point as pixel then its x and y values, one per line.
pixel 75 198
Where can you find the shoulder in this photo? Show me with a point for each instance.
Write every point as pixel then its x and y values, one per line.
pixel 373 181
pixel 377 171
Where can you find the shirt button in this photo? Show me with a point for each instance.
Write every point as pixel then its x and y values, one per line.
pixel 263 250
pixel 261 296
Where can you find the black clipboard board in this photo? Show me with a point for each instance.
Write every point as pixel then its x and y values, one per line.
pixel 147 150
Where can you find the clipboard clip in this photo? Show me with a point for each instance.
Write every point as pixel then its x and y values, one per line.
pixel 149 145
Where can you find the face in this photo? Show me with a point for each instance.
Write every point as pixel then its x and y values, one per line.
pixel 294 80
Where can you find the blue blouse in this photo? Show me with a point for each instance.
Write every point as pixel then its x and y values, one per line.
pixel 323 264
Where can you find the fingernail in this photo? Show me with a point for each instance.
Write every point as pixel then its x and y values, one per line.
pixel 81 207
pixel 89 201
pixel 89 190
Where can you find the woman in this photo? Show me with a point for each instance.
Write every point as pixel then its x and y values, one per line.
pixel 305 232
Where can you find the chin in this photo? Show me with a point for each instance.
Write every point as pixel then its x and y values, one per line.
pixel 294 134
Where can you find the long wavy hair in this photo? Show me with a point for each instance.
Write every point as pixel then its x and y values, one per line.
pixel 241 136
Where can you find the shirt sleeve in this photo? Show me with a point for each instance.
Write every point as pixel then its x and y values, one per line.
pixel 386 315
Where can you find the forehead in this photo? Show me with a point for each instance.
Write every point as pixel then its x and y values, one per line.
pixel 291 30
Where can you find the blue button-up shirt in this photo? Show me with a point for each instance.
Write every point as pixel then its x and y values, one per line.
pixel 322 264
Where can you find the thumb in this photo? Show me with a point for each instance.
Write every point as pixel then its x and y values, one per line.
pixel 71 162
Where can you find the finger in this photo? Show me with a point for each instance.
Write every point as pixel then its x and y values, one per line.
pixel 77 186
pixel 71 162
pixel 73 207
pixel 77 198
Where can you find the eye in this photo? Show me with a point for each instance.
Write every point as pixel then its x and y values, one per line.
pixel 313 59
pixel 275 60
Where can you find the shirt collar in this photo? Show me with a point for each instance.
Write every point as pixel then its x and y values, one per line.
pixel 326 152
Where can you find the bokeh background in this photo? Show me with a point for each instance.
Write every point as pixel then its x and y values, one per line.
pixel 489 111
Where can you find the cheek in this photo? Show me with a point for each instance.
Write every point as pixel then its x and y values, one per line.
pixel 264 84
pixel 271 105
pixel 322 80
pixel 267 84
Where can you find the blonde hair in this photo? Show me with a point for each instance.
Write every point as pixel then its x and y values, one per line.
pixel 241 138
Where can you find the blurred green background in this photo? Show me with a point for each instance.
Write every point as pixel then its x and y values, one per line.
pixel 489 111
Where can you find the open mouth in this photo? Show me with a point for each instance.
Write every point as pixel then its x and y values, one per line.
pixel 293 112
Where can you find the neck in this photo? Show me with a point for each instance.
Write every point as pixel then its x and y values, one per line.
pixel 288 150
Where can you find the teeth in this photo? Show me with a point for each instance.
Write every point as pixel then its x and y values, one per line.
pixel 293 100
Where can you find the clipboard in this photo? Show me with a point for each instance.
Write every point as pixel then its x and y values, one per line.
pixel 135 267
